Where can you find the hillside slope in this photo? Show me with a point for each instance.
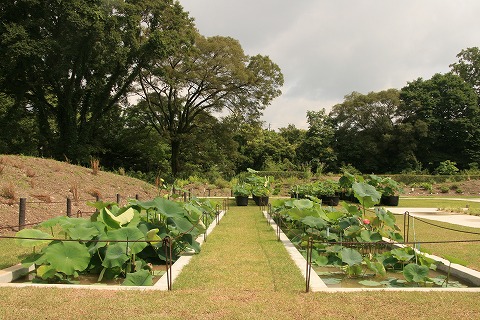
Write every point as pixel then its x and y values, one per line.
pixel 47 183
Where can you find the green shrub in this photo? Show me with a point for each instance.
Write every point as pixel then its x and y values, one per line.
pixel 444 189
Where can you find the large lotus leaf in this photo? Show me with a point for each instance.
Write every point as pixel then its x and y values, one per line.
pixel 369 236
pixel 53 222
pixel 401 254
pixel 415 273
pixel 139 278
pixel 37 235
pixel 303 204
pixel 130 234
pixel 67 257
pixel 314 222
pixel 115 256
pixel 334 215
pixel 351 256
pixel 182 224
pixel 194 211
pixel 297 214
pixel 366 194
pixel 83 232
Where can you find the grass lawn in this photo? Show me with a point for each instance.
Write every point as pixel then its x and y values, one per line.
pixel 241 273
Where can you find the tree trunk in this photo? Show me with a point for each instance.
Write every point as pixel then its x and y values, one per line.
pixel 175 161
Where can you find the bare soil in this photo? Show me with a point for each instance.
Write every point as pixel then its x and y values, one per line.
pixel 46 184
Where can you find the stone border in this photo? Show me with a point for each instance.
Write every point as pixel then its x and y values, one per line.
pixel 317 285
pixel 9 274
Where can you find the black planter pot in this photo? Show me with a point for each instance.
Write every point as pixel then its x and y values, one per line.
pixel 260 201
pixel 241 200
pixel 330 200
pixel 389 200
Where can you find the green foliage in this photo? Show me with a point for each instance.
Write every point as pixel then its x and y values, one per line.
pixel 447 167
pixel 348 239
pixel 118 242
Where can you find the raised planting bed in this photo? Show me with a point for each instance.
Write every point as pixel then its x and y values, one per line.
pixel 127 246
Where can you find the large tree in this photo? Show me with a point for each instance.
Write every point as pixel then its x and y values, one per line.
pixel 363 130
pixel 446 107
pixel 468 67
pixel 73 61
pixel 212 75
pixel 316 148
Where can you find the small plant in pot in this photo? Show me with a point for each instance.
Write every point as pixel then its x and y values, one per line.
pixel 242 191
pixel 261 194
pixel 390 192
pixel 329 192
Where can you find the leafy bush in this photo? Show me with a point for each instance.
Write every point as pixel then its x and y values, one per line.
pixel 447 167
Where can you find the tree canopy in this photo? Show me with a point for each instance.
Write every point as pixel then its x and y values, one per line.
pixel 73 61
pixel 211 75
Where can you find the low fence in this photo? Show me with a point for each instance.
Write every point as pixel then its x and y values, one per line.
pixel 28 211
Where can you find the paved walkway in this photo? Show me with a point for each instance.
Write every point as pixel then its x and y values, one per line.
pixel 434 214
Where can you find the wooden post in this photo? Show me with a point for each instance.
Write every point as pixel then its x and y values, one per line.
pixel 118 198
pixel 69 207
pixel 21 213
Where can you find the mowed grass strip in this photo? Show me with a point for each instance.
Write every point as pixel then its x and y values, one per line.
pixel 242 253
pixel 465 253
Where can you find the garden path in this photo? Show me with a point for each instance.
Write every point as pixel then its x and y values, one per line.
pixel 242 253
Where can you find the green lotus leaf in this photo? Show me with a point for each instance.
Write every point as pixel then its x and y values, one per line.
pixel 376 267
pixel 352 231
pixel 32 233
pixel 370 283
pixel 46 271
pixel 131 234
pixel 321 260
pixel 99 205
pixel 152 236
pixel 314 222
pixel 401 254
pixel 109 219
pixel 369 236
pixel 139 278
pixel 53 222
pixel 366 194
pixel 415 273
pixel 115 256
pixel 85 232
pixel 181 223
pixel 126 216
pixel 302 204
pixel 351 256
pixel 67 257
pixel 334 215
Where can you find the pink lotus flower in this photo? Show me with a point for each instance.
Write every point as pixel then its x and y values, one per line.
pixel 366 221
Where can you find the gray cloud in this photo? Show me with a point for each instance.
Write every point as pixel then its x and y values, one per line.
pixel 327 49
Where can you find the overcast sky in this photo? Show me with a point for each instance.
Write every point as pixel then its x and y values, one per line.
pixel 328 48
